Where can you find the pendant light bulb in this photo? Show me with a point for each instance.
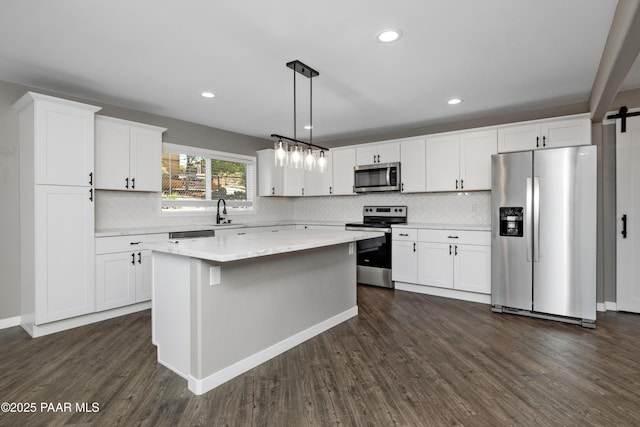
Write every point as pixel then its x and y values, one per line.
pixel 309 160
pixel 322 162
pixel 280 153
pixel 296 156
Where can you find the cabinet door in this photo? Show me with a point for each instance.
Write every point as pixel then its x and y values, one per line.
pixel 293 182
pixel 145 159
pixel 367 155
pixel 472 268
pixel 435 264
pixel 64 253
pixel 443 157
pixel 270 176
pixel 115 280
pixel 404 261
pixel 388 152
pixel 413 165
pixel 319 183
pixel 112 155
pixel 476 149
pixel 519 138
pixel 343 162
pixel 143 275
pixel 64 144
pixel 564 133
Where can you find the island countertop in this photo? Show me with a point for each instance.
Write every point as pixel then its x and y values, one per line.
pixel 237 247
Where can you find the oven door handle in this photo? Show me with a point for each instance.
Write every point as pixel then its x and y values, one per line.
pixel 384 230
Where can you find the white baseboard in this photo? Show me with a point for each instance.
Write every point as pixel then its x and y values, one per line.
pixel 10 322
pixel 610 306
pixel 201 386
pixel 443 292
pixel 62 325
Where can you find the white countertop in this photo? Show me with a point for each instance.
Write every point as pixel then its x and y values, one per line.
pixel 108 232
pixel 237 247
pixel 481 227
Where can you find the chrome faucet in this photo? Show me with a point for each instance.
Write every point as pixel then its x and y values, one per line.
pixel 224 211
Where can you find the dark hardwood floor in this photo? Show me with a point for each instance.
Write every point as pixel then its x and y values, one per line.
pixel 407 359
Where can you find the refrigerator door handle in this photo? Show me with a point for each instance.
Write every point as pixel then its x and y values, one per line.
pixel 536 219
pixel 528 213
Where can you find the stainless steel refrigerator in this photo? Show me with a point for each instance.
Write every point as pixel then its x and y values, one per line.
pixel 543 246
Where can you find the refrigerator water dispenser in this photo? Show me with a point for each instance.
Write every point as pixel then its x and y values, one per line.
pixel 511 223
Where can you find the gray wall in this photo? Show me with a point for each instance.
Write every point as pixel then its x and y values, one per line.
pixel 179 132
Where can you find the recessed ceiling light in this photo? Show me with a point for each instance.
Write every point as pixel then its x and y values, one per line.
pixel 454 101
pixel 388 36
pixel 208 94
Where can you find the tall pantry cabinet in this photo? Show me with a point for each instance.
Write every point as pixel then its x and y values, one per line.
pixel 57 248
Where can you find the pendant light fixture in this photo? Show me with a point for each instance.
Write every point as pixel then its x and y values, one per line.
pixel 293 154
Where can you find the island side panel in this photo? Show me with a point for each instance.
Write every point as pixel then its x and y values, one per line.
pixel 170 311
pixel 264 301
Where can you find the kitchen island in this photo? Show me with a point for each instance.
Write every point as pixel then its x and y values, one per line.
pixel 223 305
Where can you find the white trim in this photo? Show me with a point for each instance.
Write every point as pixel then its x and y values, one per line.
pixel 610 306
pixel 600 306
pixel 168 147
pixel 444 292
pixel 10 322
pixel 62 325
pixel 201 386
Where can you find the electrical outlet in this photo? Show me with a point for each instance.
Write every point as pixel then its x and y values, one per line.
pixel 214 276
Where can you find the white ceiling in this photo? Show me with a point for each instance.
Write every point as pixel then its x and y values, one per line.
pixel 157 56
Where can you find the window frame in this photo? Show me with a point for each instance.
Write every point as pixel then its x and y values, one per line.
pixel 233 206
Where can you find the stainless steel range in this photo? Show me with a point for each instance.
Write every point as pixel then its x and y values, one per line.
pixel 374 255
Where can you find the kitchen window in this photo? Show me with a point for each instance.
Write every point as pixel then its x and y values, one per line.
pixel 194 179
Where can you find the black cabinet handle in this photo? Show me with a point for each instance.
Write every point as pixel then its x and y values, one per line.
pixel 462 184
pixel 139 257
pixel 126 185
pixel 134 243
pixel 537 141
pixel 273 191
pixel 456 184
pixel 330 190
pixel 403 234
pixel 450 249
pixel 90 178
pixel 402 187
pixel 133 183
pixel 544 141
pixel 378 158
pixel 624 226
pixel 91 194
pixel 133 259
pixel 303 191
pixel 374 158
pixel 414 246
pixel 452 237
pixel 456 250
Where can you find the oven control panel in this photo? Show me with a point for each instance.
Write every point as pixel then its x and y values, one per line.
pixel 392 211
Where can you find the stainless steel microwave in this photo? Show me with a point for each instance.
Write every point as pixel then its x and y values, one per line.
pixel 377 177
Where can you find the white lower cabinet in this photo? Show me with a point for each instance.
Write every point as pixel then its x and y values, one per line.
pixel 459 260
pixel 123 270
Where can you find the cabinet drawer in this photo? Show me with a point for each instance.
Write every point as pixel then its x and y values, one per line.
pixel 404 234
pixel 455 236
pixel 106 245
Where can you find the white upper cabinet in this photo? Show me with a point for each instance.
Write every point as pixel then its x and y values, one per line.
pixel 413 160
pixel 320 183
pixel 476 149
pixel 384 152
pixel 276 180
pixel 541 134
pixel 62 133
pixel 443 158
pixel 343 161
pixel 128 155
pixel 460 161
